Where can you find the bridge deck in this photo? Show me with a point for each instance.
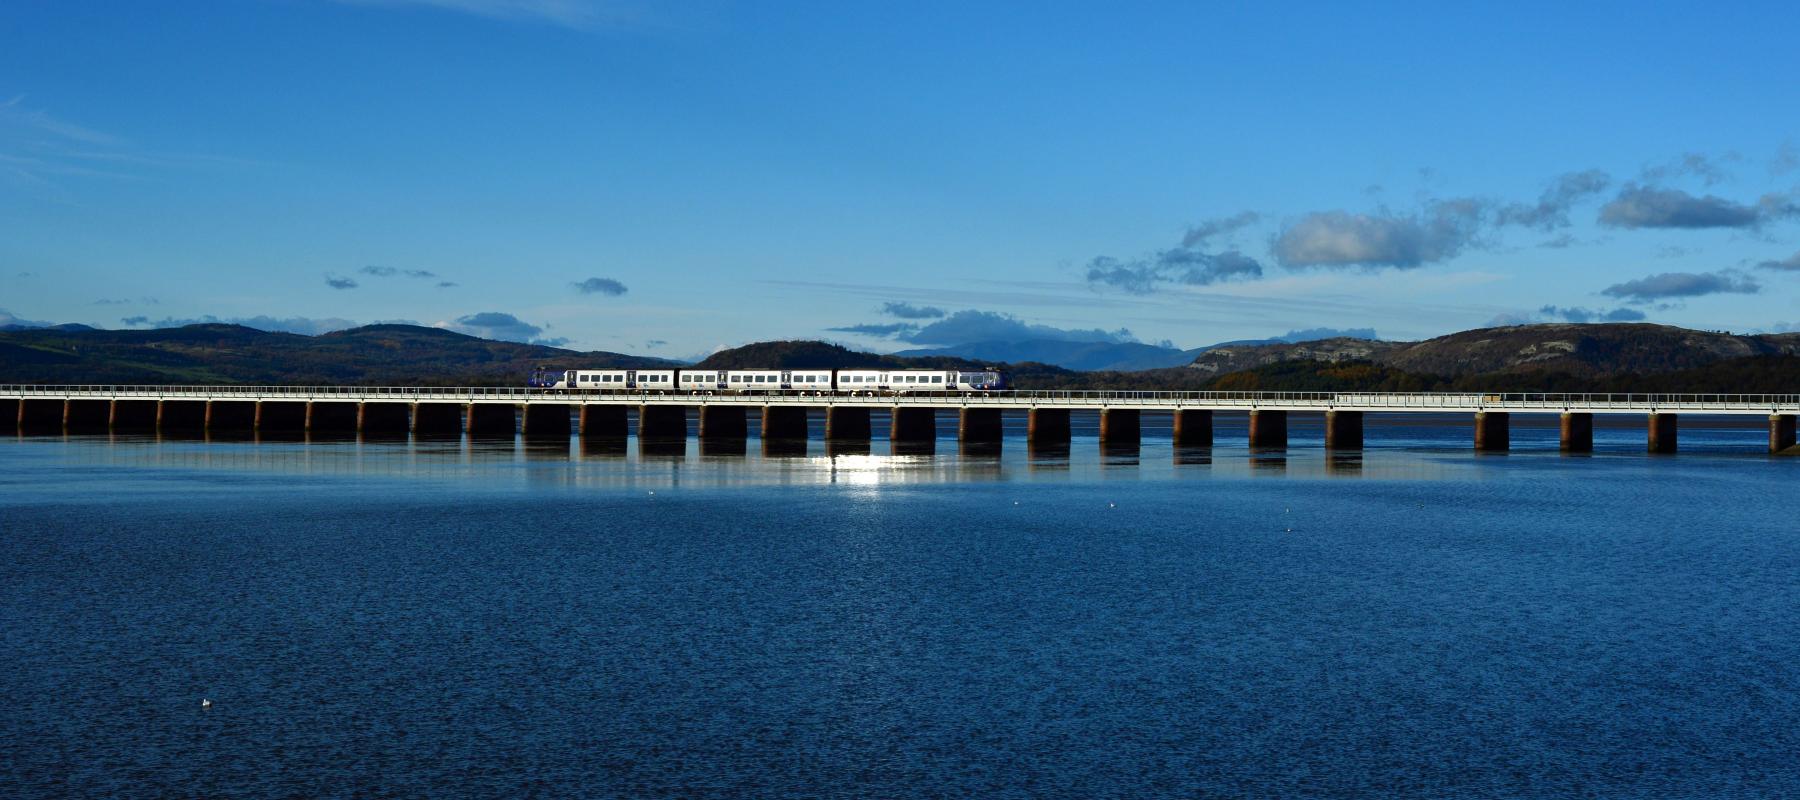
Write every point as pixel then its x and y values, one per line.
pixel 1521 402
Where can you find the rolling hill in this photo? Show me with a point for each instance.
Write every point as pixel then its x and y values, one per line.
pixel 207 354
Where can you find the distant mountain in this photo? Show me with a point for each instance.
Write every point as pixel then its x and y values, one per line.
pixel 1083 356
pixel 1578 350
pixel 66 326
pixel 205 354
pixel 804 354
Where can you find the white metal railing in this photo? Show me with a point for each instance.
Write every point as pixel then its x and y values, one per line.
pixel 1072 398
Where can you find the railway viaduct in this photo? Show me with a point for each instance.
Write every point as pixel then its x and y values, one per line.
pixel 401 411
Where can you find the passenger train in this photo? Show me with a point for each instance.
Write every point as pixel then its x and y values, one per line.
pixel 899 381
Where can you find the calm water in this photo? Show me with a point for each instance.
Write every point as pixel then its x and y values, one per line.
pixel 489 619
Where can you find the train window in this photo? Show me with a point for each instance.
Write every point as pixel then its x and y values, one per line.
pixel 937 379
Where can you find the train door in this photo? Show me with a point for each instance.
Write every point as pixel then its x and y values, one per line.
pixel 787 379
pixel 631 379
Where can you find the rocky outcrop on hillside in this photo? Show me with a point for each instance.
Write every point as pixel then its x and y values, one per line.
pixel 1236 358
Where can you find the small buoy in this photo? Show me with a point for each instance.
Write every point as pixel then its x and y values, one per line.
pixel 205 703
pixel 1112 505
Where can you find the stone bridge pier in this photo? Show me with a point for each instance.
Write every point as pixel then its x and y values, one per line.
pixel 1047 426
pixel 1781 432
pixel 721 423
pixel 1343 430
pixel 1493 431
pixel 1576 432
pixel 384 419
pixel 979 426
pixel 1268 428
pixel 787 423
pixel 847 424
pixel 1663 433
pixel 1120 426
pixel 662 422
pixel 1193 428
pixel 913 425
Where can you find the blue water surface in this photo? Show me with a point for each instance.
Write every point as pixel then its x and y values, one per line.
pixel 510 619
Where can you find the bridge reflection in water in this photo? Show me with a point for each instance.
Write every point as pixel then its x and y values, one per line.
pixel 633 463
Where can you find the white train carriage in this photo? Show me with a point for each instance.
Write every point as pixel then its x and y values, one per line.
pixel 605 379
pixel 919 380
pixel 895 380
pixel 752 380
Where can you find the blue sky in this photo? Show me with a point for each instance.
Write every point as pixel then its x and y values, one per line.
pixel 672 178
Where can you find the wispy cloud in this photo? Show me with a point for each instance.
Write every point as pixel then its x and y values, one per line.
pixel 1674 285
pixel 37 149
pixel 1343 239
pixel 1707 169
pixel 1174 266
pixel 1200 233
pixel 1639 206
pixel 1552 208
pixel 605 286
pixel 1195 262
pixel 501 325
pixel 389 272
pixel 45 153
pixel 1578 314
pixel 1786 160
pixel 879 329
pixel 336 282
pixel 910 311
pixel 1789 264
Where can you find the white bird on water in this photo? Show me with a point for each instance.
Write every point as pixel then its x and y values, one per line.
pixel 205 703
